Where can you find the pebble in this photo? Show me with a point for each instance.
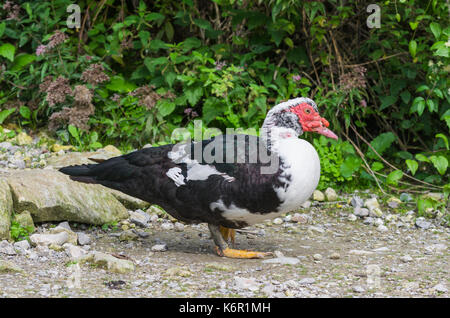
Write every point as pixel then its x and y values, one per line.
pixel 306 204
pixel 422 223
pixel 167 226
pixel 352 217
pixel 7 248
pixel 357 201
pixel 317 257
pixel 382 228
pixel 48 239
pixel 335 256
pixel 406 259
pixel 318 196
pixel 358 289
pixel 83 239
pixel 331 194
pixel 246 283
pixel 440 288
pixel 159 248
pixel 179 227
pixel 371 204
pixel 361 212
pixel 277 221
pixel 281 259
pixel 22 245
pixel 140 218
pixel 307 281
pixel 317 229
pixel 299 218
pixel 368 220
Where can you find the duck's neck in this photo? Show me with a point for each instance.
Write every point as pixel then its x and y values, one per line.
pixel 272 135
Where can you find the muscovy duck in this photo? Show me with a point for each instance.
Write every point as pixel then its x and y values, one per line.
pixel 249 179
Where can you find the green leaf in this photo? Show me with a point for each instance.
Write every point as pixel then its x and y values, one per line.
pixel 418 105
pixel 73 131
pixel 413 48
pixel 166 107
pixel 380 144
pixel 120 85
pixel 350 165
pixel 2 28
pixel 387 101
pixel 394 177
pixel 422 158
pixel 5 114
pixel 25 112
pixel 440 163
pixel 170 78
pixel 436 29
pixel 444 138
pixel 193 95
pixel 212 108
pixel 412 166
pixel 22 60
pixel 7 50
pixel 377 166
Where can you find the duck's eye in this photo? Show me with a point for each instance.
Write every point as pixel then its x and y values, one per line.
pixel 307 111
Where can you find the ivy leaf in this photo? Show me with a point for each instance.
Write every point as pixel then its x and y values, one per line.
pixel 440 163
pixel 412 166
pixel 7 50
pixel 436 29
pixel 394 177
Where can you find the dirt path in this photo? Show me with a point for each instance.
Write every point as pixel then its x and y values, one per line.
pixel 336 258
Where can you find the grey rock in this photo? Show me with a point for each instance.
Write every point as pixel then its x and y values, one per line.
pixel 307 281
pixel 111 263
pixel 179 227
pixel 318 196
pixel 22 245
pixel 371 204
pixel 331 194
pixel 422 223
pixel 277 221
pixel 49 239
pixel 352 217
pixel 317 229
pixel 83 239
pixel 7 248
pixel 306 204
pixel 440 288
pixel 368 220
pixel 358 289
pixel 65 225
pixel 382 228
pixel 246 283
pixel 167 226
pixel 74 252
pixel 317 257
pixel 281 259
pixel 6 208
pixel 159 248
pixel 7 266
pixel 361 212
pixel 139 218
pixel 406 259
pixel 357 201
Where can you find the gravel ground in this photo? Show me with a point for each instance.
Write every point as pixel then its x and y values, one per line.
pixel 329 256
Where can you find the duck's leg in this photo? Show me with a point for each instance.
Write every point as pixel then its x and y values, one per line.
pixel 222 248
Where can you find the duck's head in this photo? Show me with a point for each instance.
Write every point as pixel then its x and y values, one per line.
pixel 299 114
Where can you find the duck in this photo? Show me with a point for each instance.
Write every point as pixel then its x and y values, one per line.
pixel 229 181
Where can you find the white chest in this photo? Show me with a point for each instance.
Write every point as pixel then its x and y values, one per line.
pixel 301 172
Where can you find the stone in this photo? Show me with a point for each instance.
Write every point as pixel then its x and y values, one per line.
pixel 358 289
pixel 178 271
pixel 167 226
pixel 51 196
pixel 393 202
pixel 22 245
pixel 376 213
pixel 335 256
pixel 368 220
pixel 299 218
pixel 371 204
pixel 306 204
pixel 113 151
pixel 111 263
pixel 441 288
pixel 159 248
pixel 47 239
pixel 64 227
pixel 6 145
pixel 281 259
pixel 83 239
pixel 422 223
pixel 361 252
pixel 307 281
pixel 74 252
pixel 139 218
pixel 331 194
pixel 361 212
pixel 179 227
pixel 7 248
pixel 352 217
pixel 8 267
pixel 128 235
pixel 6 209
pixel 316 229
pixel 317 257
pixel 406 197
pixel 23 139
pixel 382 228
pixel 318 196
pixel 25 220
pixel 406 259
pixel 246 283
pixel 356 201
pixel 277 221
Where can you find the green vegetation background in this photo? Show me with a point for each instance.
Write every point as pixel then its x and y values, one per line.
pixel 136 70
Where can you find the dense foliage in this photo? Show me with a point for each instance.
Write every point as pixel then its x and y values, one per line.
pixel 136 70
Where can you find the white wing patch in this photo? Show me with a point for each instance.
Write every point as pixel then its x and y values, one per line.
pixel 176 175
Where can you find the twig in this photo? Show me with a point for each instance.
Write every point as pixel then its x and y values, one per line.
pixel 377 60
